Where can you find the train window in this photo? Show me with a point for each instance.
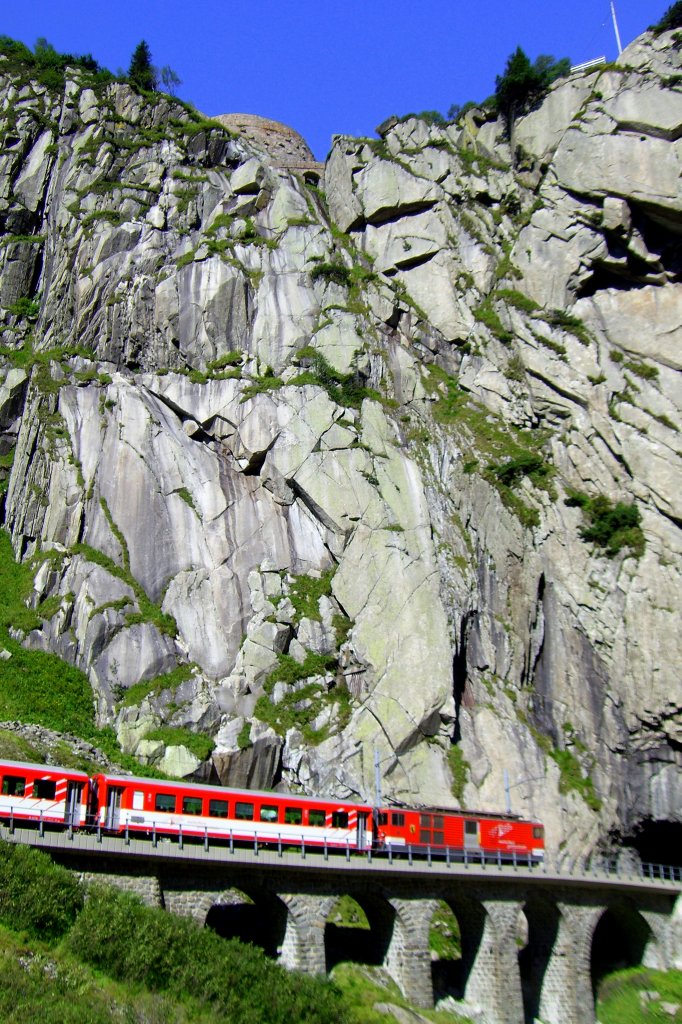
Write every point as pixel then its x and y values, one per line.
pixel 316 817
pixel 339 819
pixel 398 819
pixel 293 815
pixel 438 838
pixel 191 805
pixel 243 811
pixel 382 818
pixel 471 828
pixel 438 821
pixel 538 832
pixel 425 837
pixel 269 812
pixel 45 789
pixel 425 820
pixel 218 808
pixel 164 802
pixel 13 785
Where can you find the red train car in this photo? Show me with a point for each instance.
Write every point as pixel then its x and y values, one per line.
pixel 151 805
pixel 38 792
pixel 476 833
pixel 64 797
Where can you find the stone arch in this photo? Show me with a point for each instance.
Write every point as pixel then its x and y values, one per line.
pixel 542 918
pixel 470 915
pixel 368 944
pixel 445 949
pixel 254 915
pixel 619 940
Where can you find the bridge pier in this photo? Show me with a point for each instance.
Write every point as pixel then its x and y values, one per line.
pixel 408 959
pixel 303 946
pixel 494 981
pixel 660 952
pixel 566 996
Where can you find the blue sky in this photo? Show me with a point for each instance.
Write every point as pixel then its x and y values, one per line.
pixel 327 68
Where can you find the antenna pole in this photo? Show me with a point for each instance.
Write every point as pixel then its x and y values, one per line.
pixel 377 778
pixel 615 27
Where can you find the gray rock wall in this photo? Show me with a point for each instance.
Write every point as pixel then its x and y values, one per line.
pixel 317 451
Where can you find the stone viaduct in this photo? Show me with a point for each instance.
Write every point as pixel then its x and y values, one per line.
pixel 533 942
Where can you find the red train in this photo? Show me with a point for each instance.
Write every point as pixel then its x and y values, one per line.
pixel 152 807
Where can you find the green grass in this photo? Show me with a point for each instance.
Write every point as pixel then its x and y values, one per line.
pixel 300 708
pixel 34 686
pixel 569 324
pixel 154 687
pixel 643 370
pixel 198 744
pixel 291 671
pixel 41 689
pixel 518 300
pixel 16 748
pixel 268 382
pixel 25 308
pixel 619 1002
pixel 363 987
pixel 347 390
pixel 244 737
pixel 110 959
pixel 459 769
pixel 509 453
pixel 489 317
pixel 45 986
pixel 572 778
pixel 115 934
pixel 444 934
pixel 347 913
pixel 36 896
pixel 305 593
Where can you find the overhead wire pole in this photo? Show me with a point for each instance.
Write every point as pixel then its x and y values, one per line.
pixel 615 27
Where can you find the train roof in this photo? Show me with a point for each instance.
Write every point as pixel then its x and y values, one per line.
pixel 467 812
pixel 206 787
pixel 45 768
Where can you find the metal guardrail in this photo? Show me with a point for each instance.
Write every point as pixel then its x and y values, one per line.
pixel 407 861
pixel 586 65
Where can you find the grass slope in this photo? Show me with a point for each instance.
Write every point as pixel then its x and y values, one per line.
pixel 640 996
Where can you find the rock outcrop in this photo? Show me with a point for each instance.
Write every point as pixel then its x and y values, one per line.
pixel 314 474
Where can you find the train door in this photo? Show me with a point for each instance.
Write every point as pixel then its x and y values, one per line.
pixel 114 794
pixel 472 838
pixel 72 806
pixel 362 830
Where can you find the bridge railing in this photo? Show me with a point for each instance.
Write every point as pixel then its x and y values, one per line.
pixel 195 842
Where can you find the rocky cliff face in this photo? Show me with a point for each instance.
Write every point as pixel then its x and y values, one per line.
pixel 311 452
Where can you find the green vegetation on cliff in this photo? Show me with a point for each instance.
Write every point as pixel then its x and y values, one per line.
pixel 39 688
pixel 65 960
pixel 611 526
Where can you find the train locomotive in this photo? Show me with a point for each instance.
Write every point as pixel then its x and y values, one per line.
pixel 113 804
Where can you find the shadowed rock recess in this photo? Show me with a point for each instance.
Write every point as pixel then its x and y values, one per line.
pixel 395 466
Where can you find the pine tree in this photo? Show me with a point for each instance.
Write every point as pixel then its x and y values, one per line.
pixel 142 72
pixel 523 83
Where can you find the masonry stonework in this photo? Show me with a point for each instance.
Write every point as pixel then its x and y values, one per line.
pixel 527 943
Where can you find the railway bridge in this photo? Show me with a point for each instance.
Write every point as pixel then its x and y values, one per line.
pixel 533 941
